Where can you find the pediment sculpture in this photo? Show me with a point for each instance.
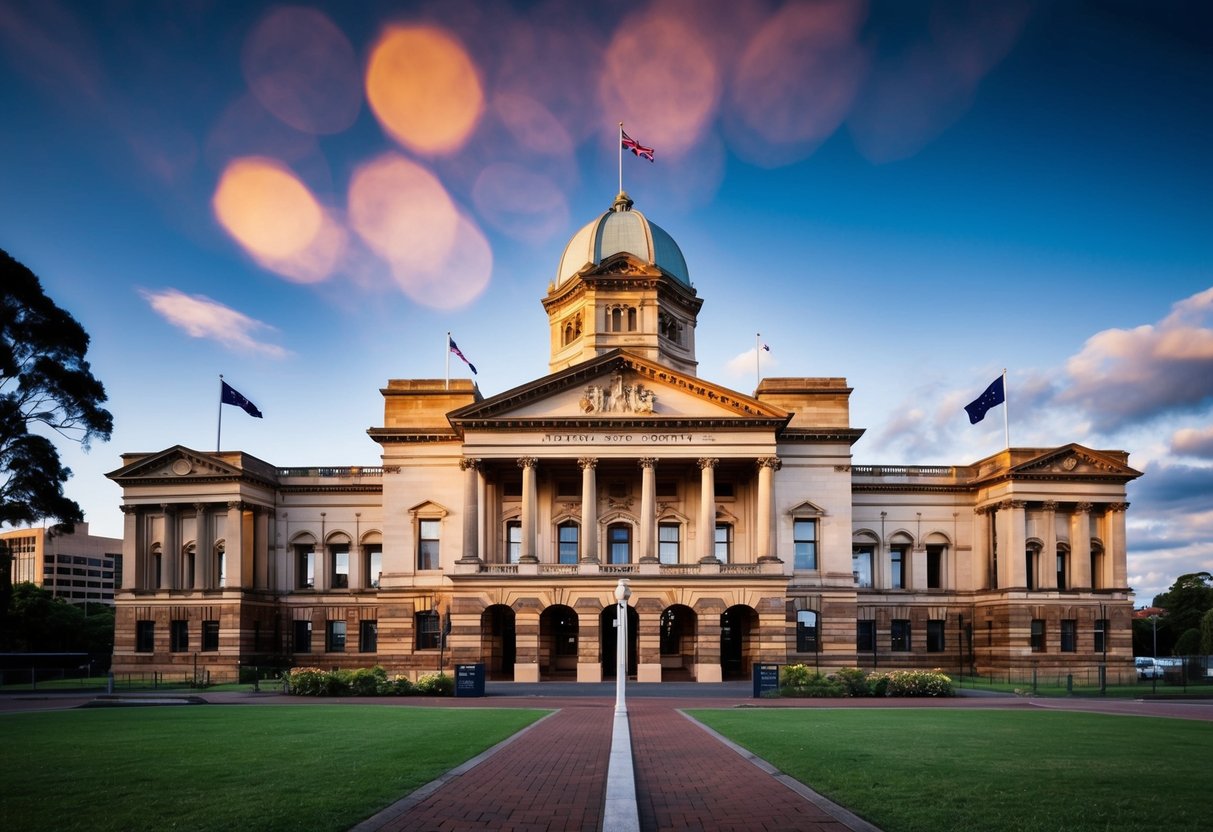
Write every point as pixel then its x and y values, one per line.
pixel 618 397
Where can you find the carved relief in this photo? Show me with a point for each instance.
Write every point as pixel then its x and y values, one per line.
pixel 618 397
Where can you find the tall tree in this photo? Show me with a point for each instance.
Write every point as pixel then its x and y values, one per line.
pixel 47 389
pixel 1185 602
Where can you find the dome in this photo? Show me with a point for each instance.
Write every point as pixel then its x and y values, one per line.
pixel 623 230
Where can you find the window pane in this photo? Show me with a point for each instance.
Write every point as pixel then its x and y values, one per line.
pixel 568 534
pixel 804 544
pixel 513 541
pixel 900 635
pixel 861 566
pixel 427 627
pixel 374 566
pixel 934 567
pixel 935 636
pixel 335 637
pixel 341 567
pixel 724 542
pixel 897 567
pixel 806 631
pixel 210 635
pixel 619 542
pixel 668 543
pixel 427 544
pixel 865 636
pixel 368 637
pixel 303 636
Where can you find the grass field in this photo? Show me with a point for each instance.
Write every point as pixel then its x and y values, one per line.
pixel 215 767
pixel 909 770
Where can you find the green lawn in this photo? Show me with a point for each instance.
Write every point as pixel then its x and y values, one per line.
pixel 220 767
pixel 933 770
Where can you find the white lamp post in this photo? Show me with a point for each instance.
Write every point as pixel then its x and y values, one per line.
pixel 622 593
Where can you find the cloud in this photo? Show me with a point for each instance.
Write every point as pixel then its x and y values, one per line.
pixel 1196 442
pixel 1126 376
pixel 201 317
pixel 746 363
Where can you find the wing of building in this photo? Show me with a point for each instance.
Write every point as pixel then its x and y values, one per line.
pixel 497 528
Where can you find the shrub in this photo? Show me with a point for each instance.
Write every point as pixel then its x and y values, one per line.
pixel 918 683
pixel 401 686
pixel 434 684
pixel 799 680
pixel 305 681
pixel 854 681
pixel 367 681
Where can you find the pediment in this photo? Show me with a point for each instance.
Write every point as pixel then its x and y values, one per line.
pixel 617 387
pixel 806 508
pixel 1074 460
pixel 176 463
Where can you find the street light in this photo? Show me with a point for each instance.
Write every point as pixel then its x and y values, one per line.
pixel 622 593
pixel 1154 674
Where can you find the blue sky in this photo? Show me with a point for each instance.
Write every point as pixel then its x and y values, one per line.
pixel 910 195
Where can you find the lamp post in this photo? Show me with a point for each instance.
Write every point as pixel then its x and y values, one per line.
pixel 1154 674
pixel 622 593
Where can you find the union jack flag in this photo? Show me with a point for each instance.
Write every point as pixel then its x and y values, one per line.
pixel 636 147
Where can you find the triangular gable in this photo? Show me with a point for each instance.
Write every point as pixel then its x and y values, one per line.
pixel 176 463
pixel 1073 460
pixel 618 386
pixel 430 509
pixel 806 508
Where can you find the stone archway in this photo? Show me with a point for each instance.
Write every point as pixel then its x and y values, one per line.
pixel 738 624
pixel 558 640
pixel 498 641
pixel 678 631
pixel 608 638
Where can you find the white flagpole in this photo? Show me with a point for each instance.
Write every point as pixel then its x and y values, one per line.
pixel 620 147
pixel 1006 409
pixel 448 361
pixel 757 360
pixel 219 429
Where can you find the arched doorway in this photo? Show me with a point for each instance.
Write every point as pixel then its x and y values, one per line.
pixel 737 625
pixel 609 638
pixel 497 641
pixel 678 643
pixel 558 643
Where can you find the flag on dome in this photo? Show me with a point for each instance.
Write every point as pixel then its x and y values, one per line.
pixel 455 349
pixel 230 395
pixel 994 395
pixel 636 147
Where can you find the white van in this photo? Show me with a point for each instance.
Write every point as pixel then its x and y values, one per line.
pixel 1147 668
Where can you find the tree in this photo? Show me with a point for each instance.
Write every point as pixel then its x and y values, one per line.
pixel 47 389
pixel 1188 599
pixel 1206 633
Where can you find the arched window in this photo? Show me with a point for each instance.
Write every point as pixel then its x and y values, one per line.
pixel 631 319
pixel 1063 566
pixel 615 323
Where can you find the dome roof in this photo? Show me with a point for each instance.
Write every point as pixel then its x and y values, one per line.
pixel 623 230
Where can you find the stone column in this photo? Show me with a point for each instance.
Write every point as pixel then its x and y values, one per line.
pixel 1080 545
pixel 202 546
pixel 1115 552
pixel 767 466
pixel 1047 579
pixel 170 555
pixel 589 509
pixel 1012 544
pixel 233 545
pixel 132 548
pixel 707 509
pixel 471 510
pixel 648 510
pixel 261 578
pixel 983 577
pixel 530 498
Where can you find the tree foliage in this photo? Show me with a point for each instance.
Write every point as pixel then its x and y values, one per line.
pixel 41 623
pixel 47 390
pixel 1186 601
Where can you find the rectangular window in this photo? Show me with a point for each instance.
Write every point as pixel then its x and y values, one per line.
pixel 210 636
pixel 513 541
pixel 804 544
pixel 899 635
pixel 897 567
pixel 1069 635
pixel 1038 635
pixel 368 636
pixel 305 560
pixel 427 544
pixel 861 565
pixel 145 636
pixel 1061 570
pixel 806 631
pixel 935 633
pixel 221 568
pixel 724 542
pixel 179 636
pixel 334 636
pixel 619 543
pixel 567 534
pixel 865 636
pixel 934 567
pixel 1101 635
pixel 427 628
pixel 668 542
pixel 303 636
pixel 374 565
pixel 341 567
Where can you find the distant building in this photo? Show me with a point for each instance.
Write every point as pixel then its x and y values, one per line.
pixel 76 567
pixel 496 528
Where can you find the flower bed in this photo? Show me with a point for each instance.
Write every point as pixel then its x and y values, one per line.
pixel 800 680
pixel 365 681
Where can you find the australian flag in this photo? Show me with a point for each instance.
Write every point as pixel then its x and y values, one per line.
pixel 231 395
pixel 455 349
pixel 995 395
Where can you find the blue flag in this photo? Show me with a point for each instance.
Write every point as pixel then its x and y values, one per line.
pixel 995 395
pixel 231 396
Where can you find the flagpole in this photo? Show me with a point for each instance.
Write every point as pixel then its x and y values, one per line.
pixel 1006 409
pixel 757 360
pixel 620 148
pixel 448 360
pixel 219 430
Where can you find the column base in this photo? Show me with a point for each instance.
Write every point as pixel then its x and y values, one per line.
pixel 708 673
pixel 589 672
pixel 526 672
pixel 648 673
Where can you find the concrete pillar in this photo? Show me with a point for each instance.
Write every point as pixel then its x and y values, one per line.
pixel 983 577
pixel 133 548
pixel 1115 550
pixel 530 508
pixel 471 510
pixel 1047 578
pixel 170 554
pixel 233 545
pixel 1080 545
pixel 648 510
pixel 707 509
pixel 202 546
pixel 589 509
pixel 1012 544
pixel 764 549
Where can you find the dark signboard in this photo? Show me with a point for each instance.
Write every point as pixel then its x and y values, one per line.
pixel 469 680
pixel 766 679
